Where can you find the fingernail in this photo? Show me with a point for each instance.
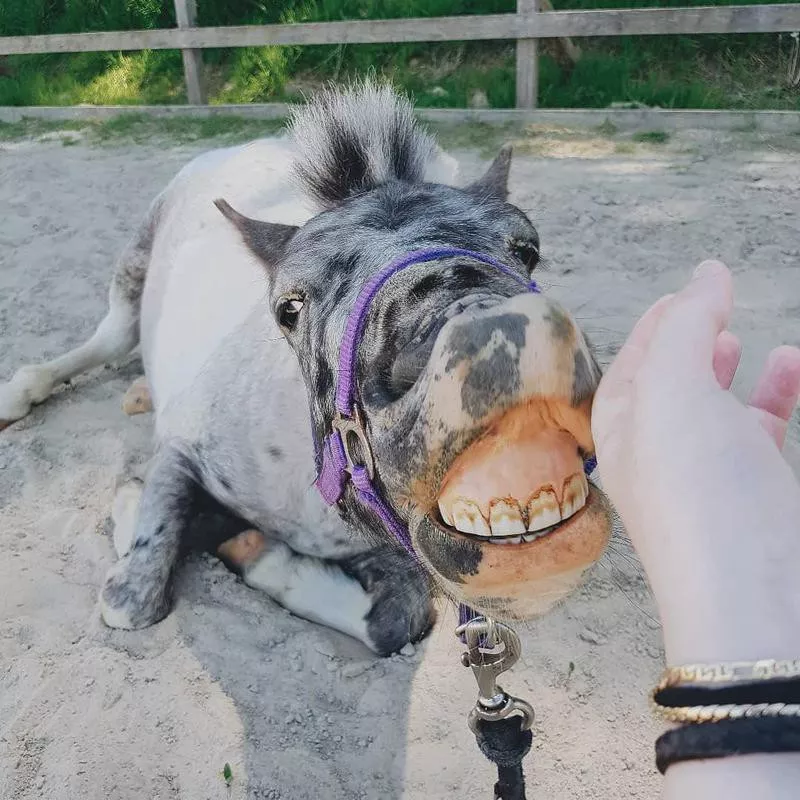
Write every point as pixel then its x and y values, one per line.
pixel 708 269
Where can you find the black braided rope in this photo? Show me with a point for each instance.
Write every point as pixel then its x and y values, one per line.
pixel 728 738
pixel 505 744
pixel 778 690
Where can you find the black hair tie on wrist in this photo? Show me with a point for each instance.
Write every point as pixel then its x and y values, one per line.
pixel 728 738
pixel 782 690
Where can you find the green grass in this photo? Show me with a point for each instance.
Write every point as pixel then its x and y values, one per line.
pixel 651 137
pixel 484 137
pixel 607 128
pixel 144 128
pixel 30 127
pixel 711 71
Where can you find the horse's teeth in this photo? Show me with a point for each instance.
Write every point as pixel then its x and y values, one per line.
pixel 506 523
pixel 467 518
pixel 576 490
pixel 506 540
pixel 505 518
pixel 446 515
pixel 543 510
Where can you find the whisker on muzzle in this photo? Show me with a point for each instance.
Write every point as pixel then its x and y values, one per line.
pixel 612 570
pixel 628 556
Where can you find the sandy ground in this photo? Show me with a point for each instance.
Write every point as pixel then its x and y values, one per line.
pixel 299 711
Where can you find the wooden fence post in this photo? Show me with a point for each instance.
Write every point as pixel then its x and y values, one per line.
pixel 527 60
pixel 186 14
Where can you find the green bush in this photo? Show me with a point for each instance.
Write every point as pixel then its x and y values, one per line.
pixel 256 75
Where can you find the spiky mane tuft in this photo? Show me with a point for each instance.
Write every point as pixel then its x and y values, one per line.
pixel 351 140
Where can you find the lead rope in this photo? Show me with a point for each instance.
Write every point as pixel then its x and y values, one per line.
pixel 501 723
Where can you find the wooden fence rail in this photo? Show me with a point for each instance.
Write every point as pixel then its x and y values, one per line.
pixel 526 26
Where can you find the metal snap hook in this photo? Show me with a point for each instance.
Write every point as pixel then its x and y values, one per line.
pixel 492 648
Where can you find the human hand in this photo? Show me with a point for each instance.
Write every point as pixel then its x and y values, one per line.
pixel 698 478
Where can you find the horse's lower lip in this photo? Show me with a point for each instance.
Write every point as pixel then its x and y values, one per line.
pixel 520 581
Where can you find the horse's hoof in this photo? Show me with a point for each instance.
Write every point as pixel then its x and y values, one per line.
pixel 137 399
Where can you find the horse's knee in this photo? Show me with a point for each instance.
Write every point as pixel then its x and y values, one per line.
pixel 138 588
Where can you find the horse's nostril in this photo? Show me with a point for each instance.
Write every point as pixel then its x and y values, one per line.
pixel 409 365
pixel 395 373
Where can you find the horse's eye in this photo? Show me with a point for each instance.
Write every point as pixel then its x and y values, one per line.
pixel 526 250
pixel 288 312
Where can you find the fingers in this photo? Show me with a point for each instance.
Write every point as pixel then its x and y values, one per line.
pixel 685 340
pixel 777 389
pixel 632 354
pixel 612 394
pixel 727 354
pixel 776 392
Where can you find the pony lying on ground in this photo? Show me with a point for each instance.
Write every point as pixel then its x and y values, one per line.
pixel 471 395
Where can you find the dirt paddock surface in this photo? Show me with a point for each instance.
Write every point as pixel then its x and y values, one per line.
pixel 296 710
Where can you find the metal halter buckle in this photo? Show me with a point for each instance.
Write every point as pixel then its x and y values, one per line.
pixel 352 430
pixel 492 648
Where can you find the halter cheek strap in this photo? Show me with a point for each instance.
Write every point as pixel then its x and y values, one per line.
pixel 340 461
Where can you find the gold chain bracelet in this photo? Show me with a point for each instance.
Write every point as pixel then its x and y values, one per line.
pixel 735 672
pixel 718 713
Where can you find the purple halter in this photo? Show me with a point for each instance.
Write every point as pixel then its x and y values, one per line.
pixel 337 456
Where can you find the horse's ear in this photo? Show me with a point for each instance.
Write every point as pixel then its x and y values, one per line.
pixel 495 180
pixel 267 240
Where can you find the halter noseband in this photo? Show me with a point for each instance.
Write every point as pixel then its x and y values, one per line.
pixel 338 461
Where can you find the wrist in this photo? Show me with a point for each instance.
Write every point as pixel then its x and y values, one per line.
pixel 742 628
pixel 726 598
pixel 772 776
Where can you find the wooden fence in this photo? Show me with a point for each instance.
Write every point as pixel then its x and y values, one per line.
pixel 526 26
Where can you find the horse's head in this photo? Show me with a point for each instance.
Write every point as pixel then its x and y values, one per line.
pixel 469 395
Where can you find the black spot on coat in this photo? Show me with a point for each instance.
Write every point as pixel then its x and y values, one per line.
pixel 489 380
pixel 452 558
pixel 323 378
pixel 468 340
pixel 585 379
pixel 560 324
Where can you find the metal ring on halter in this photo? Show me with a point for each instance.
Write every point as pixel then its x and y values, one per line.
pixel 353 427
